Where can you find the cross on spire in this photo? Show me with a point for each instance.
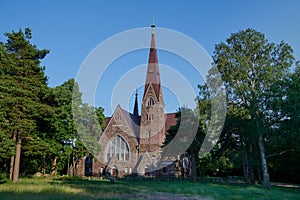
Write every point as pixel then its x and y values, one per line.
pixel 153 27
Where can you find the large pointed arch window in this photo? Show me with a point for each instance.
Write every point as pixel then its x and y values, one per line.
pixel 118 147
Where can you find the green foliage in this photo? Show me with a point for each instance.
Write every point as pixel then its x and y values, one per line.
pixel 185 132
pixel 253 70
pixel 23 86
pixel 220 167
pixel 65 99
pixel 34 115
pixel 284 139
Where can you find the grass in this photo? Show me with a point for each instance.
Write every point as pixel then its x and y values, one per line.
pixel 72 188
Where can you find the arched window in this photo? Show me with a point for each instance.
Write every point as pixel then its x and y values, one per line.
pixel 118 147
pixel 150 102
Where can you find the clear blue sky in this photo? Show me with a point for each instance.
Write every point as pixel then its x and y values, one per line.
pixel 71 29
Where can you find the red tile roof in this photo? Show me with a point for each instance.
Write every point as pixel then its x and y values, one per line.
pixel 107 119
pixel 170 120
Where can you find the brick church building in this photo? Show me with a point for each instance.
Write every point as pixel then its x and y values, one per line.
pixel 132 143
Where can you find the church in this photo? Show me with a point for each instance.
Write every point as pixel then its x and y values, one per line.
pixel 132 143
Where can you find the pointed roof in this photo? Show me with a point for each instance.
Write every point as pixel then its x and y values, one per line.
pixel 136 108
pixel 153 75
pixel 131 121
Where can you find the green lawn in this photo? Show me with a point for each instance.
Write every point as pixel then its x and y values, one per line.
pixel 67 188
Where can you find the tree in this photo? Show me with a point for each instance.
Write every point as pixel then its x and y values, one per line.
pixel 6 142
pixel 87 121
pixel 284 138
pixel 188 140
pixel 74 121
pixel 219 161
pixel 202 126
pixel 60 99
pixel 22 86
pixel 250 65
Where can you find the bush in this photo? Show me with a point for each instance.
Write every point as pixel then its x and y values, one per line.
pixel 3 177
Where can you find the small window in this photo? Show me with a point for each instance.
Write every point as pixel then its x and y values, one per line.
pixel 150 102
pixel 149 117
pixel 118 117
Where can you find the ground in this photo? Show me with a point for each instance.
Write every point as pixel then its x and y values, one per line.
pixel 75 189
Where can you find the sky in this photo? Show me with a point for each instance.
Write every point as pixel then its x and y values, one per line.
pixel 71 30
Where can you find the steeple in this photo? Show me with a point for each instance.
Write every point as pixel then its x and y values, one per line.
pixel 153 75
pixel 136 109
pixel 152 124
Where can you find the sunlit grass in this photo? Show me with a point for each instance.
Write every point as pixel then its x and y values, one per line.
pixel 72 188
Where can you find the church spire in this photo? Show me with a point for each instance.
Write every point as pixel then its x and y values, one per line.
pixel 152 124
pixel 153 75
pixel 136 108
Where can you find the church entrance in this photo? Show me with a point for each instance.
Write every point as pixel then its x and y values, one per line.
pixel 88 166
pixel 147 171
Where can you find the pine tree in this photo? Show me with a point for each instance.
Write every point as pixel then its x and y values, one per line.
pixel 23 85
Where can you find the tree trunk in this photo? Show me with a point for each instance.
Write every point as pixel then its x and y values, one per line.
pixel 11 167
pixel 73 165
pixel 68 169
pixel 193 161
pixel 54 170
pixel 259 175
pixel 251 173
pixel 245 167
pixel 17 161
pixel 264 166
pixel 12 160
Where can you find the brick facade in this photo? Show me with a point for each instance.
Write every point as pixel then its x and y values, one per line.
pixel 131 144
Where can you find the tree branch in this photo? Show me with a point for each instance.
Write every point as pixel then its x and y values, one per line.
pixel 280 153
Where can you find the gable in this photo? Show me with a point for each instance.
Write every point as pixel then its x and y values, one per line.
pixel 151 90
pixel 144 160
pixel 124 120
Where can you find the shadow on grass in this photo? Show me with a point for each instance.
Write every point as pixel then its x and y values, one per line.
pixel 191 189
pixel 97 187
pixel 78 188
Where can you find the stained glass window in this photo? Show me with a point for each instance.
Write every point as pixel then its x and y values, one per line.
pixel 118 147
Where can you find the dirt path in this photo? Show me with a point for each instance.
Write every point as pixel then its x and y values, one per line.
pixel 287 185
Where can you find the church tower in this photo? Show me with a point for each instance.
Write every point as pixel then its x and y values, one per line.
pixel 152 128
